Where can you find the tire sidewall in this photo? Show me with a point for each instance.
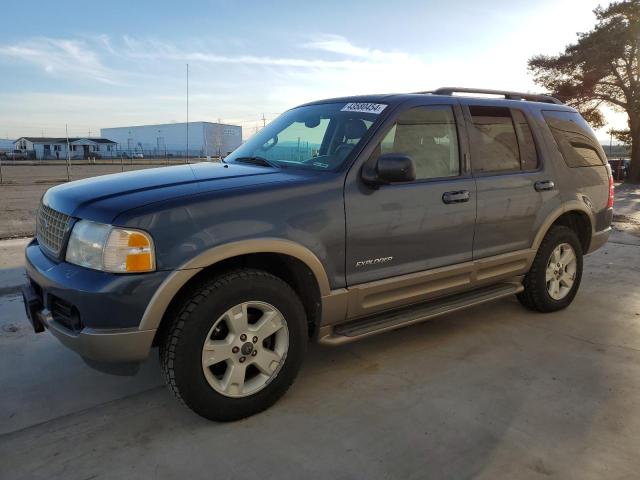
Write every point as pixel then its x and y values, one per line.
pixel 189 376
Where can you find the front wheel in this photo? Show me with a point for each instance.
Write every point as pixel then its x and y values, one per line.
pixel 554 278
pixel 235 345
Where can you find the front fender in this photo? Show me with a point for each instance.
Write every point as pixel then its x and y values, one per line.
pixel 177 279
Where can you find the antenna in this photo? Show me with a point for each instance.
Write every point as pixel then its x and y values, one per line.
pixel 187 154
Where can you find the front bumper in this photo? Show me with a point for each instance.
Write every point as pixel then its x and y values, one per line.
pixel 103 310
pixel 125 345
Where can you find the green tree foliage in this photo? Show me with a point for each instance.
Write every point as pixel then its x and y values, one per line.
pixel 602 67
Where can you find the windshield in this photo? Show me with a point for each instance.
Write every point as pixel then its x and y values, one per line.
pixel 319 137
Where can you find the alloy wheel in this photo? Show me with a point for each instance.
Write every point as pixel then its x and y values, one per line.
pixel 561 271
pixel 245 349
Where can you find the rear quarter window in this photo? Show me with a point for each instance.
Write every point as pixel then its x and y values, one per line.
pixel 575 139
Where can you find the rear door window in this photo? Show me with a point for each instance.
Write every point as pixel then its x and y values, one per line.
pixel 526 144
pixel 501 140
pixel 575 138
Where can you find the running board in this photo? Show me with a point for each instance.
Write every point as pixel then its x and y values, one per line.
pixel 366 327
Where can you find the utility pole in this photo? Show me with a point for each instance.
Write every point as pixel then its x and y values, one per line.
pixel 264 121
pixel 66 129
pixel 186 159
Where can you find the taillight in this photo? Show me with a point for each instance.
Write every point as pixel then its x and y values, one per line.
pixel 611 192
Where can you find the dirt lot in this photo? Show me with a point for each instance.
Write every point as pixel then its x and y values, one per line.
pixel 24 185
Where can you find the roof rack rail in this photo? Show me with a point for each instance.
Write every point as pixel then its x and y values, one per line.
pixel 533 97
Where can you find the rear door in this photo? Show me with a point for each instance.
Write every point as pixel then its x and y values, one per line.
pixel 410 227
pixel 515 185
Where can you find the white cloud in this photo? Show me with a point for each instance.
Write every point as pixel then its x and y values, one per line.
pixel 235 86
pixel 340 45
pixel 63 58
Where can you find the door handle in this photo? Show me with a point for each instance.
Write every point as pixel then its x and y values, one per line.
pixel 544 185
pixel 459 196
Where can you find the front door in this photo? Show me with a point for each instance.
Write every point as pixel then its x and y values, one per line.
pixel 403 228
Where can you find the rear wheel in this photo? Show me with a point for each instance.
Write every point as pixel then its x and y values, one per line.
pixel 554 278
pixel 235 345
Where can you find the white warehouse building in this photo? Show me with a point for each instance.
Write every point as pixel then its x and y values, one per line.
pixel 205 138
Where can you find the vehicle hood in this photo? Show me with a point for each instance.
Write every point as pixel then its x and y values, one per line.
pixel 105 197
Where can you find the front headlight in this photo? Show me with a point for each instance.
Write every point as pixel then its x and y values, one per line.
pixel 111 249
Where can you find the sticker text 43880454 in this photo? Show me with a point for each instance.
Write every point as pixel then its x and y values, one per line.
pixel 364 107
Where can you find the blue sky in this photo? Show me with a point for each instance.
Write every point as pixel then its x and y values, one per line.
pixel 102 64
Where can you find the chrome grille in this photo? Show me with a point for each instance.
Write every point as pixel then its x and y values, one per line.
pixel 51 228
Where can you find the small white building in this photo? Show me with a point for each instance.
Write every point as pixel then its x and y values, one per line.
pixel 52 148
pixel 204 138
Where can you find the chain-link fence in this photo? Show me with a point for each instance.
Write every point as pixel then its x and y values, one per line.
pixel 23 182
pixel 14 171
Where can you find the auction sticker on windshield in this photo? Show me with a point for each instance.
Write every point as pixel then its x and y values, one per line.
pixel 364 107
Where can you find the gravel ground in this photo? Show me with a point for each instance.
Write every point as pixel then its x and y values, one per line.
pixel 24 185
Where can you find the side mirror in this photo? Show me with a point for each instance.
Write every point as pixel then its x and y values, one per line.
pixel 390 168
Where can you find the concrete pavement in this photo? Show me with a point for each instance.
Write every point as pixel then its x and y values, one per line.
pixel 12 264
pixel 627 202
pixel 492 392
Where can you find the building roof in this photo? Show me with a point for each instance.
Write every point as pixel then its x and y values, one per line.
pixel 63 139
pixel 100 140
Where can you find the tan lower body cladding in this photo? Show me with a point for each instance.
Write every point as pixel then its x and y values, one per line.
pixel 370 298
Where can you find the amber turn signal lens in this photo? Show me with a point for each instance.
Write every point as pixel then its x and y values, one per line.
pixel 129 251
pixel 140 262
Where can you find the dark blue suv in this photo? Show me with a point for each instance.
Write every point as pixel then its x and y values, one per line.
pixel 342 219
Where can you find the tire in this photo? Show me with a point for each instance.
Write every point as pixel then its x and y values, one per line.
pixel 207 317
pixel 536 295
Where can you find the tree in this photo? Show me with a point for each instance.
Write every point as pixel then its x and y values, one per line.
pixel 602 67
pixel 623 136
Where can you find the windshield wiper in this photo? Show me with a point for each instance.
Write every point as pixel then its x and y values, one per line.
pixel 256 160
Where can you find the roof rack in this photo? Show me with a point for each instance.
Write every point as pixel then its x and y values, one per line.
pixel 533 97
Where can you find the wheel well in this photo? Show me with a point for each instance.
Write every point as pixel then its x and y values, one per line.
pixel 293 271
pixel 578 222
